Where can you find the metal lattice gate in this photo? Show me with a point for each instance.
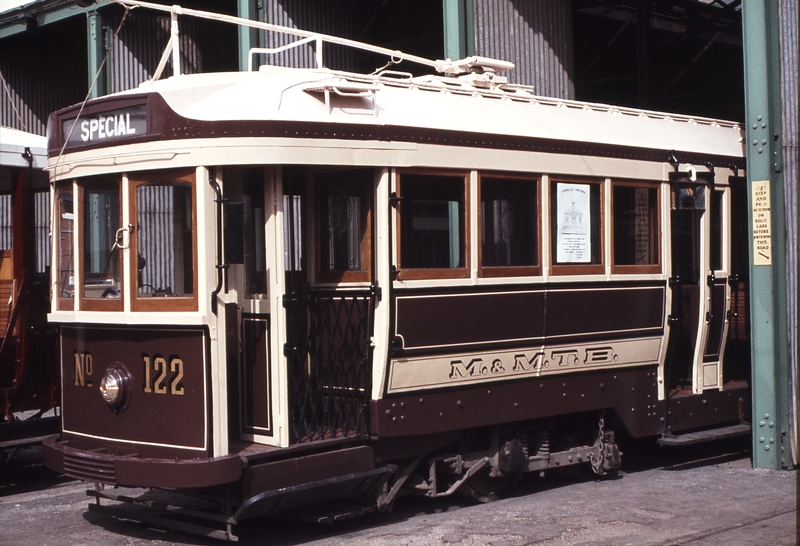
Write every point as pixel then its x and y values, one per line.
pixel 329 363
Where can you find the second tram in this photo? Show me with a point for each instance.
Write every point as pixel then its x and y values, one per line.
pixel 29 371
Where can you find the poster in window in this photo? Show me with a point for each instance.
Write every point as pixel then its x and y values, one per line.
pixel 573 234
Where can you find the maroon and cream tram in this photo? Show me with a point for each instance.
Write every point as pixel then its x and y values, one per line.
pixel 285 286
pixel 29 373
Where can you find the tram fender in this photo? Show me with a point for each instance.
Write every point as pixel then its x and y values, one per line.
pixel 132 471
pixel 271 476
pixel 269 503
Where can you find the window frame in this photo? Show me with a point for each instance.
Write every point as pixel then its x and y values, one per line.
pixel 254 177
pixel 95 304
pixel 62 188
pixel 501 271
pixel 557 269
pixel 655 268
pixel 407 274
pixel 171 303
pixel 364 274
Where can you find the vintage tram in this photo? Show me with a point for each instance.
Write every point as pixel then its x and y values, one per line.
pixel 29 371
pixel 286 286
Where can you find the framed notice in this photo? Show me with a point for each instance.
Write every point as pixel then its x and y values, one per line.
pixel 573 224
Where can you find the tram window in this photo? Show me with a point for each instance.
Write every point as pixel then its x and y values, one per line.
pixel 164 245
pixel 42 227
pixel 509 220
pixel 101 252
pixel 576 227
pixel 255 258
pixel 293 232
pixel 635 231
pixel 294 180
pixel 66 268
pixel 433 225
pixel 715 242
pixel 344 212
pixel 6 223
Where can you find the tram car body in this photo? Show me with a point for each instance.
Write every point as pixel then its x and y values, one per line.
pixel 29 360
pixel 286 286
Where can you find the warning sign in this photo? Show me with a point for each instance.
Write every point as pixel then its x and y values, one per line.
pixel 762 231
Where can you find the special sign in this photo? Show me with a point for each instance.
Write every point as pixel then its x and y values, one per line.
pixel 106 127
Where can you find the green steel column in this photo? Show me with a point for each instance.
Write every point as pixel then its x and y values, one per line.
pixel 770 373
pixel 459 28
pixel 248 37
pixel 95 47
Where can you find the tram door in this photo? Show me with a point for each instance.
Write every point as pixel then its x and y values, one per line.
pixel 699 283
pixel 249 325
pixel 329 300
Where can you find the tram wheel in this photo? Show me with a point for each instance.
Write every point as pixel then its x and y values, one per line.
pixel 483 488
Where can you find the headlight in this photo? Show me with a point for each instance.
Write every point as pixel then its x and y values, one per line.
pixel 115 387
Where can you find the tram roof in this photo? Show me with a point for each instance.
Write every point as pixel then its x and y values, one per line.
pixel 435 102
pixel 13 143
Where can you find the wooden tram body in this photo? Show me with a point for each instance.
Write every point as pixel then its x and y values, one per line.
pixel 29 371
pixel 288 286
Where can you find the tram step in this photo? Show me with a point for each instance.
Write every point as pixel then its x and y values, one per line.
pixel 328 513
pixel 705 435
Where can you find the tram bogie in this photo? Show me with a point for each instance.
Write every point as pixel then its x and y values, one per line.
pixel 350 289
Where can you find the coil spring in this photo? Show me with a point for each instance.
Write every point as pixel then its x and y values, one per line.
pixel 539 440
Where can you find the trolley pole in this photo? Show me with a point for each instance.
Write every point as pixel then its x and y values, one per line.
pixel 768 327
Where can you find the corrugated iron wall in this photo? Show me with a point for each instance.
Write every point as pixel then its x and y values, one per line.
pixel 6 223
pixel 138 48
pixel 533 34
pixel 335 18
pixel 155 206
pixel 41 70
pixel 789 88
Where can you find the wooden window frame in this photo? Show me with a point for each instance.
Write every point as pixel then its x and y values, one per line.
pixel 577 269
pixel 511 271
pixel 170 303
pixel 95 304
pixel 363 275
pixel 639 269
pixel 407 274
pixel 62 303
